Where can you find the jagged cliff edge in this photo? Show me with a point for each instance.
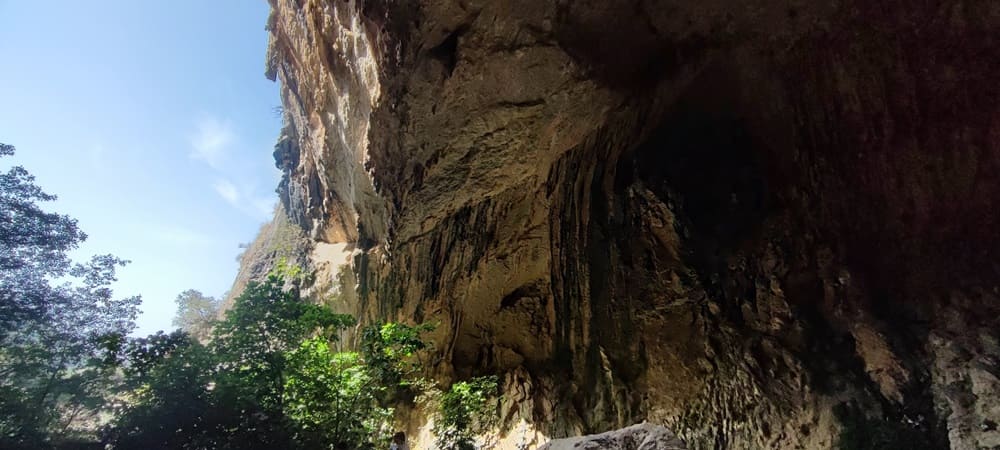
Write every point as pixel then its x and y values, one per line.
pixel 763 225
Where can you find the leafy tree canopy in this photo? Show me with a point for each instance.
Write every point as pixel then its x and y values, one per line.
pixel 196 312
pixel 264 376
pixel 53 334
pixel 467 408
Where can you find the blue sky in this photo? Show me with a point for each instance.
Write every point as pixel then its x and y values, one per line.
pixel 153 123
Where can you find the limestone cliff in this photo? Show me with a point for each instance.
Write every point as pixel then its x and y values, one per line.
pixel 761 224
pixel 278 239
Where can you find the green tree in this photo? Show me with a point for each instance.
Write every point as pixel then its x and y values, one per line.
pixel 53 335
pixel 344 398
pixel 33 248
pixel 185 395
pixel 229 393
pixel 391 351
pixel 334 398
pixel 167 396
pixel 265 322
pixel 268 378
pixel 196 312
pixel 466 409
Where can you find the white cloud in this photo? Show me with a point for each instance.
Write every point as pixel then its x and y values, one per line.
pixel 258 207
pixel 211 141
pixel 228 192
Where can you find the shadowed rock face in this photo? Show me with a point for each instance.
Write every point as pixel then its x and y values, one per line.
pixel 762 224
pixel 636 437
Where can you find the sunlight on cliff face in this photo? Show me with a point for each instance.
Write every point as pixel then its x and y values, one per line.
pixel 646 223
pixel 521 435
pixel 329 98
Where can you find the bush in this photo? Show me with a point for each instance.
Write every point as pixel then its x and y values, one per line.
pixel 333 397
pixel 466 409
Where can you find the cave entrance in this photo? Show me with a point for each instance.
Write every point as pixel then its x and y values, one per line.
pixel 703 161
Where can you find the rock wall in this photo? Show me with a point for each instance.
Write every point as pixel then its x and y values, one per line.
pixel 636 437
pixel 762 224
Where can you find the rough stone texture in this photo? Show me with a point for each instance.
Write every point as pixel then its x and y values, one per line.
pixel 762 224
pixel 636 437
pixel 277 239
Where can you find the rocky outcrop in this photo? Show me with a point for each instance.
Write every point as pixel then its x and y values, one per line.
pixel 278 240
pixel 636 437
pixel 762 224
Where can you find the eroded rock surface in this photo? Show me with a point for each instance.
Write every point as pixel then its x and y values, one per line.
pixel 636 437
pixel 278 240
pixel 762 224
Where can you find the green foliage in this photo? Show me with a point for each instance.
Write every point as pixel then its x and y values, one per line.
pixel 167 379
pixel 269 378
pixel 264 376
pixel 291 272
pixel 196 313
pixel 333 397
pixel 390 350
pixel 231 393
pixel 466 409
pixel 52 335
pixel 34 243
pixel 265 322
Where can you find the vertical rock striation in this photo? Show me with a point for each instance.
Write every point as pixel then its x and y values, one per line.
pixel 762 224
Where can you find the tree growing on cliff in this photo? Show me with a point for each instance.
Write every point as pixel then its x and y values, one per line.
pixel 391 351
